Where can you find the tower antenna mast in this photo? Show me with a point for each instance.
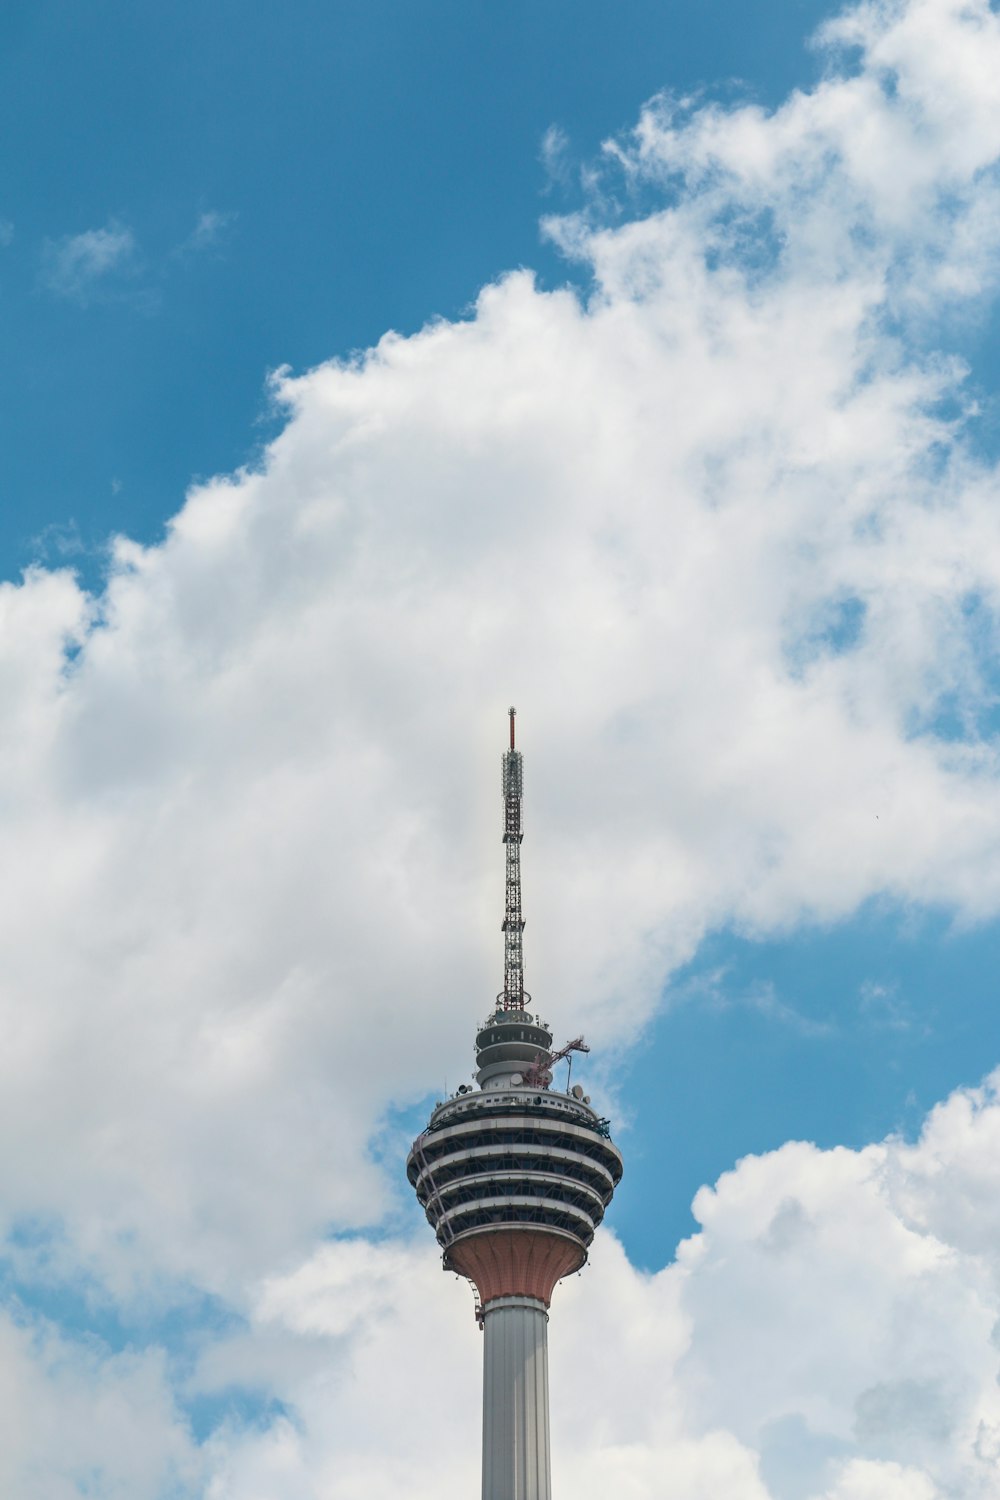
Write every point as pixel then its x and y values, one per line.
pixel 514 996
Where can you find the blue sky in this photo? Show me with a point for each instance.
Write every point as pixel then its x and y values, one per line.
pixel 838 1035
pixel 361 167
pixel 707 487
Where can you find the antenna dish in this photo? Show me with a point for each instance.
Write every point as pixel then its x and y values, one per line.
pixel 576 1091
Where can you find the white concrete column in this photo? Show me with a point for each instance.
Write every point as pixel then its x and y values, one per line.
pixel 516 1400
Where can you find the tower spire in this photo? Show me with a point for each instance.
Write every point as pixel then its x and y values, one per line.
pixel 514 996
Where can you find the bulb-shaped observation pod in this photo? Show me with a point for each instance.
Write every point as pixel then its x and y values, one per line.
pixel 514 1180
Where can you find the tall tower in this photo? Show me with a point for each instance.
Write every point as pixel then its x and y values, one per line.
pixel 514 1178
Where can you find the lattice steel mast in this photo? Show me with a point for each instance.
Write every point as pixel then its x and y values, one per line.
pixel 514 996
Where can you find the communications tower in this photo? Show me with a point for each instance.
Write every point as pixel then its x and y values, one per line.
pixel 515 1177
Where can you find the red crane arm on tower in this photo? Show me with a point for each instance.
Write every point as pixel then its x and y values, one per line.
pixel 540 1071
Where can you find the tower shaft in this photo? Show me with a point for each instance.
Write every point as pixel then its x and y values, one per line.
pixel 516 1463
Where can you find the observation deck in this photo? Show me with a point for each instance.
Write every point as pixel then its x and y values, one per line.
pixel 514 1177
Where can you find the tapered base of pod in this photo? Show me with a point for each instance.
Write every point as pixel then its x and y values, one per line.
pixel 516 1262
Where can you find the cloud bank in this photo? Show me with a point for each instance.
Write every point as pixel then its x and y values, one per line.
pixel 829 1334
pixel 723 532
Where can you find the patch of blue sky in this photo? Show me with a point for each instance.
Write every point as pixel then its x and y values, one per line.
pixel 747 240
pixel 792 1455
pixel 837 1035
pixel 41 1279
pixel 177 1322
pixel 977 340
pixel 968 709
pixel 389 1148
pixel 834 628
pixel 965 329
pixel 237 1407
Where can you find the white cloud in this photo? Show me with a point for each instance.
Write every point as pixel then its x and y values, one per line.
pixel 80 266
pixel 80 1420
pixel 718 536
pixel 211 227
pixel 823 1337
pixel 554 157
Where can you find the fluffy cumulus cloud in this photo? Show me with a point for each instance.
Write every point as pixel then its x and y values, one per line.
pixel 722 531
pixel 80 1420
pixel 828 1334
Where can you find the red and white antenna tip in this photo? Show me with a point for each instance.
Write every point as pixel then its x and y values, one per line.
pixel 512 712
